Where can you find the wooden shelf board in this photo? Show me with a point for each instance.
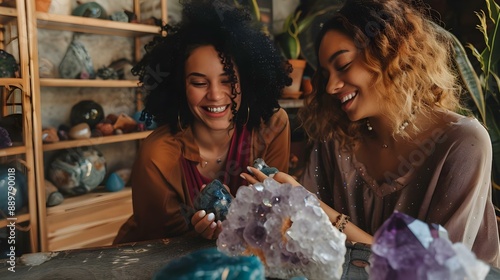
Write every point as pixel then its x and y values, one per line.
pixel 11 81
pixel 20 219
pixel 7 14
pixel 97 196
pixel 50 82
pixel 10 151
pixel 94 26
pixel 96 141
pixel 291 103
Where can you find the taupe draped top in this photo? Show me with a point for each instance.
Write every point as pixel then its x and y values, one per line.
pixel 446 181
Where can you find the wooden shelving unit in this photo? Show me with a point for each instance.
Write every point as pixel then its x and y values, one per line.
pixel 91 219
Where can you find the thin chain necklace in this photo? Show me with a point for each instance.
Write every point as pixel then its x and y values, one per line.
pixel 401 128
pixel 218 160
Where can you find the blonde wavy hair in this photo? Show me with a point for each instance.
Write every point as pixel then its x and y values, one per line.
pixel 410 61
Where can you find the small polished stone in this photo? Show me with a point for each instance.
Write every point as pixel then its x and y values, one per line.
pixel 80 131
pixel 114 183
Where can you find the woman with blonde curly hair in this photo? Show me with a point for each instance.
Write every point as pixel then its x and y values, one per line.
pixel 385 130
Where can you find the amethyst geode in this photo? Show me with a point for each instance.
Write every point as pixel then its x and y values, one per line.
pixel 409 249
pixel 286 228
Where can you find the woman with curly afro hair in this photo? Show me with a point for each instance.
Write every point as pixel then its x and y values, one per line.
pixel 212 86
pixel 387 135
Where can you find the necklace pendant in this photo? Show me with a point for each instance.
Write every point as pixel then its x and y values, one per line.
pixel 219 161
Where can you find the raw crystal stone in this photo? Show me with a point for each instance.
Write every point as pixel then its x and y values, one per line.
pixel 214 198
pixel 76 63
pixel 286 228
pixel 208 264
pixel 261 165
pixel 407 248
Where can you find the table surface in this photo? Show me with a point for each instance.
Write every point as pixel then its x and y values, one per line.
pixel 143 260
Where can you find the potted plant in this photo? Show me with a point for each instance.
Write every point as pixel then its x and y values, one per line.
pixel 289 40
pixel 483 85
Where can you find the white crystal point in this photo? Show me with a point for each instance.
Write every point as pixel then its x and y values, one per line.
pixel 286 228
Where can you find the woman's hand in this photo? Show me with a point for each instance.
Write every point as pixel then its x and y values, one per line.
pixel 206 225
pixel 257 176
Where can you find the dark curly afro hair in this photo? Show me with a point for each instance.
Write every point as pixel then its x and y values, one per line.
pixel 263 72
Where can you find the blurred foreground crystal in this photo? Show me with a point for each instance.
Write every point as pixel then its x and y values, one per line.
pixel 409 249
pixel 209 264
pixel 286 228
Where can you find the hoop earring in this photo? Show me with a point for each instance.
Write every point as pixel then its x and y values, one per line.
pixel 179 123
pixel 248 116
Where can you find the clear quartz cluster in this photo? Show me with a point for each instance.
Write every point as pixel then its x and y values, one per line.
pixel 286 228
pixel 410 249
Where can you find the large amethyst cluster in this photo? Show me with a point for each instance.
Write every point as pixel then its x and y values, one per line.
pixel 286 228
pixel 409 249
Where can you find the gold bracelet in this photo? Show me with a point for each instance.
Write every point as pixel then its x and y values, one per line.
pixel 341 222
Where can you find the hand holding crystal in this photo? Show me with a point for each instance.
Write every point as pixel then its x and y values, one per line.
pixel 206 224
pixel 255 176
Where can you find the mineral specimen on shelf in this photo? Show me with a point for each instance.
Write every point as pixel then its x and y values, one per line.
pixel 86 111
pixel 409 249
pixel 8 65
pixel 80 131
pixel 77 171
pixel 52 195
pixel 76 63
pixel 208 264
pixel 214 198
pixel 5 140
pixel 286 228
pixel 262 166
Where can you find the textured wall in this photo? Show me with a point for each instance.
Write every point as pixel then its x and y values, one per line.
pixel 52 45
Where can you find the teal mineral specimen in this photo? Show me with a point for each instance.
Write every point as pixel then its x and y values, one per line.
pixel 208 264
pixel 214 198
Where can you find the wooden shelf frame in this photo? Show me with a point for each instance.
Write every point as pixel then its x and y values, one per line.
pixel 12 151
pixel 94 26
pixel 51 82
pixel 38 20
pixel 7 14
pixel 17 17
pixel 95 141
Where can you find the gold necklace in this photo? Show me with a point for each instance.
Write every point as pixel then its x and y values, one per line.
pixel 218 160
pixel 401 128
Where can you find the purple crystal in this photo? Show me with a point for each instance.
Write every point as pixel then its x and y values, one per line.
pixel 286 227
pixel 407 248
pixel 5 140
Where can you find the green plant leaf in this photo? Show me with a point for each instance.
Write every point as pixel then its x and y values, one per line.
pixel 467 73
pixel 289 45
pixel 494 132
pixel 491 54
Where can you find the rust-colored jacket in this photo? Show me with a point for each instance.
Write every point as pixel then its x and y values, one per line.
pixel 159 187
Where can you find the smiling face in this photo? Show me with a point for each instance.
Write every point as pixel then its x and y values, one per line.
pixel 347 76
pixel 208 89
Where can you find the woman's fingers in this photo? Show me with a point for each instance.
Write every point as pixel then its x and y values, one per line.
pixel 285 178
pixel 258 176
pixel 204 224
